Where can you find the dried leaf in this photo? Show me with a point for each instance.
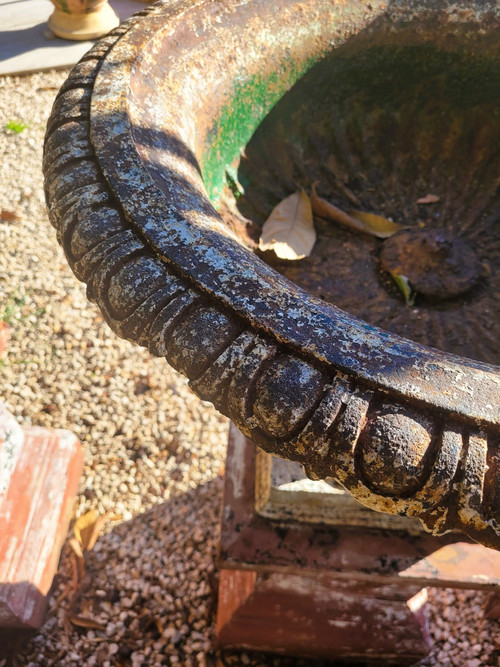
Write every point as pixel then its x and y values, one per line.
pixel 68 628
pixel 85 622
pixel 428 199
pixel 88 527
pixel 376 224
pixel 86 607
pixel 405 288
pixel 76 547
pixel 367 223
pixel 324 209
pixel 8 216
pixel 84 527
pixel 78 570
pixel 75 574
pixel 141 387
pixel 289 230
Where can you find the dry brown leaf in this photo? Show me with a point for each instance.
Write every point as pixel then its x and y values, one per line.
pixel 75 572
pixel 289 230
pixel 366 223
pixel 98 526
pixel 8 216
pixel 85 622
pixel 428 199
pixel 84 527
pixel 68 628
pixel 76 547
pixel 86 607
pixel 88 527
pixel 324 209
pixel 78 570
pixel 376 224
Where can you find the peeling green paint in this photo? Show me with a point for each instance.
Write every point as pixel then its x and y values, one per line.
pixel 381 72
pixel 250 103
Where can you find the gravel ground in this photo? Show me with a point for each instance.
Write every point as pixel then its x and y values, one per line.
pixel 154 453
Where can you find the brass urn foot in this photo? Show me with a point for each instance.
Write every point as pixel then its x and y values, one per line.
pixel 83 26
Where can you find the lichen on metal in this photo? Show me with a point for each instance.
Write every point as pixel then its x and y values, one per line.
pixel 139 132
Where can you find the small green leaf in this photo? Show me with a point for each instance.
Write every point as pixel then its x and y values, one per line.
pixel 15 126
pixel 405 288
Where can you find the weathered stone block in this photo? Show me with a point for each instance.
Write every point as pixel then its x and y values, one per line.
pixel 39 472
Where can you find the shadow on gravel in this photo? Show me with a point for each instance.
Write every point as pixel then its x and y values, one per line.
pixel 148 595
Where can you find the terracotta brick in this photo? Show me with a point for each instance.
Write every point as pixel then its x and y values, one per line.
pixel 39 472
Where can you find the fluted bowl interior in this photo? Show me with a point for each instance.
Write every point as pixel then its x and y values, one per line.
pixel 384 120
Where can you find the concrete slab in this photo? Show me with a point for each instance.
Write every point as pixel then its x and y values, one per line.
pixel 27 44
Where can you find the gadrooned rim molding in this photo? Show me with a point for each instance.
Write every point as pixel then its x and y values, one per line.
pixel 423 442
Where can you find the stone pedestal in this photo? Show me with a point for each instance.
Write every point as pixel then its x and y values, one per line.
pixel 322 617
pixel 306 570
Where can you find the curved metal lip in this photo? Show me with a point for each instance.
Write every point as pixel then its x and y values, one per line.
pixel 234 277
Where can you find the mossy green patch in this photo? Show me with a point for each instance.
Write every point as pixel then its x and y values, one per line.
pixel 393 78
pixel 249 104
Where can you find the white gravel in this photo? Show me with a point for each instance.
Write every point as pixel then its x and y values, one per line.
pixel 153 451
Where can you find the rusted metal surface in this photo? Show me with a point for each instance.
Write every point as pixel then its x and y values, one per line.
pixel 404 428
pixel 436 263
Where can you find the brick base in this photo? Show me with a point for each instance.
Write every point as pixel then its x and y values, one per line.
pixel 321 618
pixel 39 472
